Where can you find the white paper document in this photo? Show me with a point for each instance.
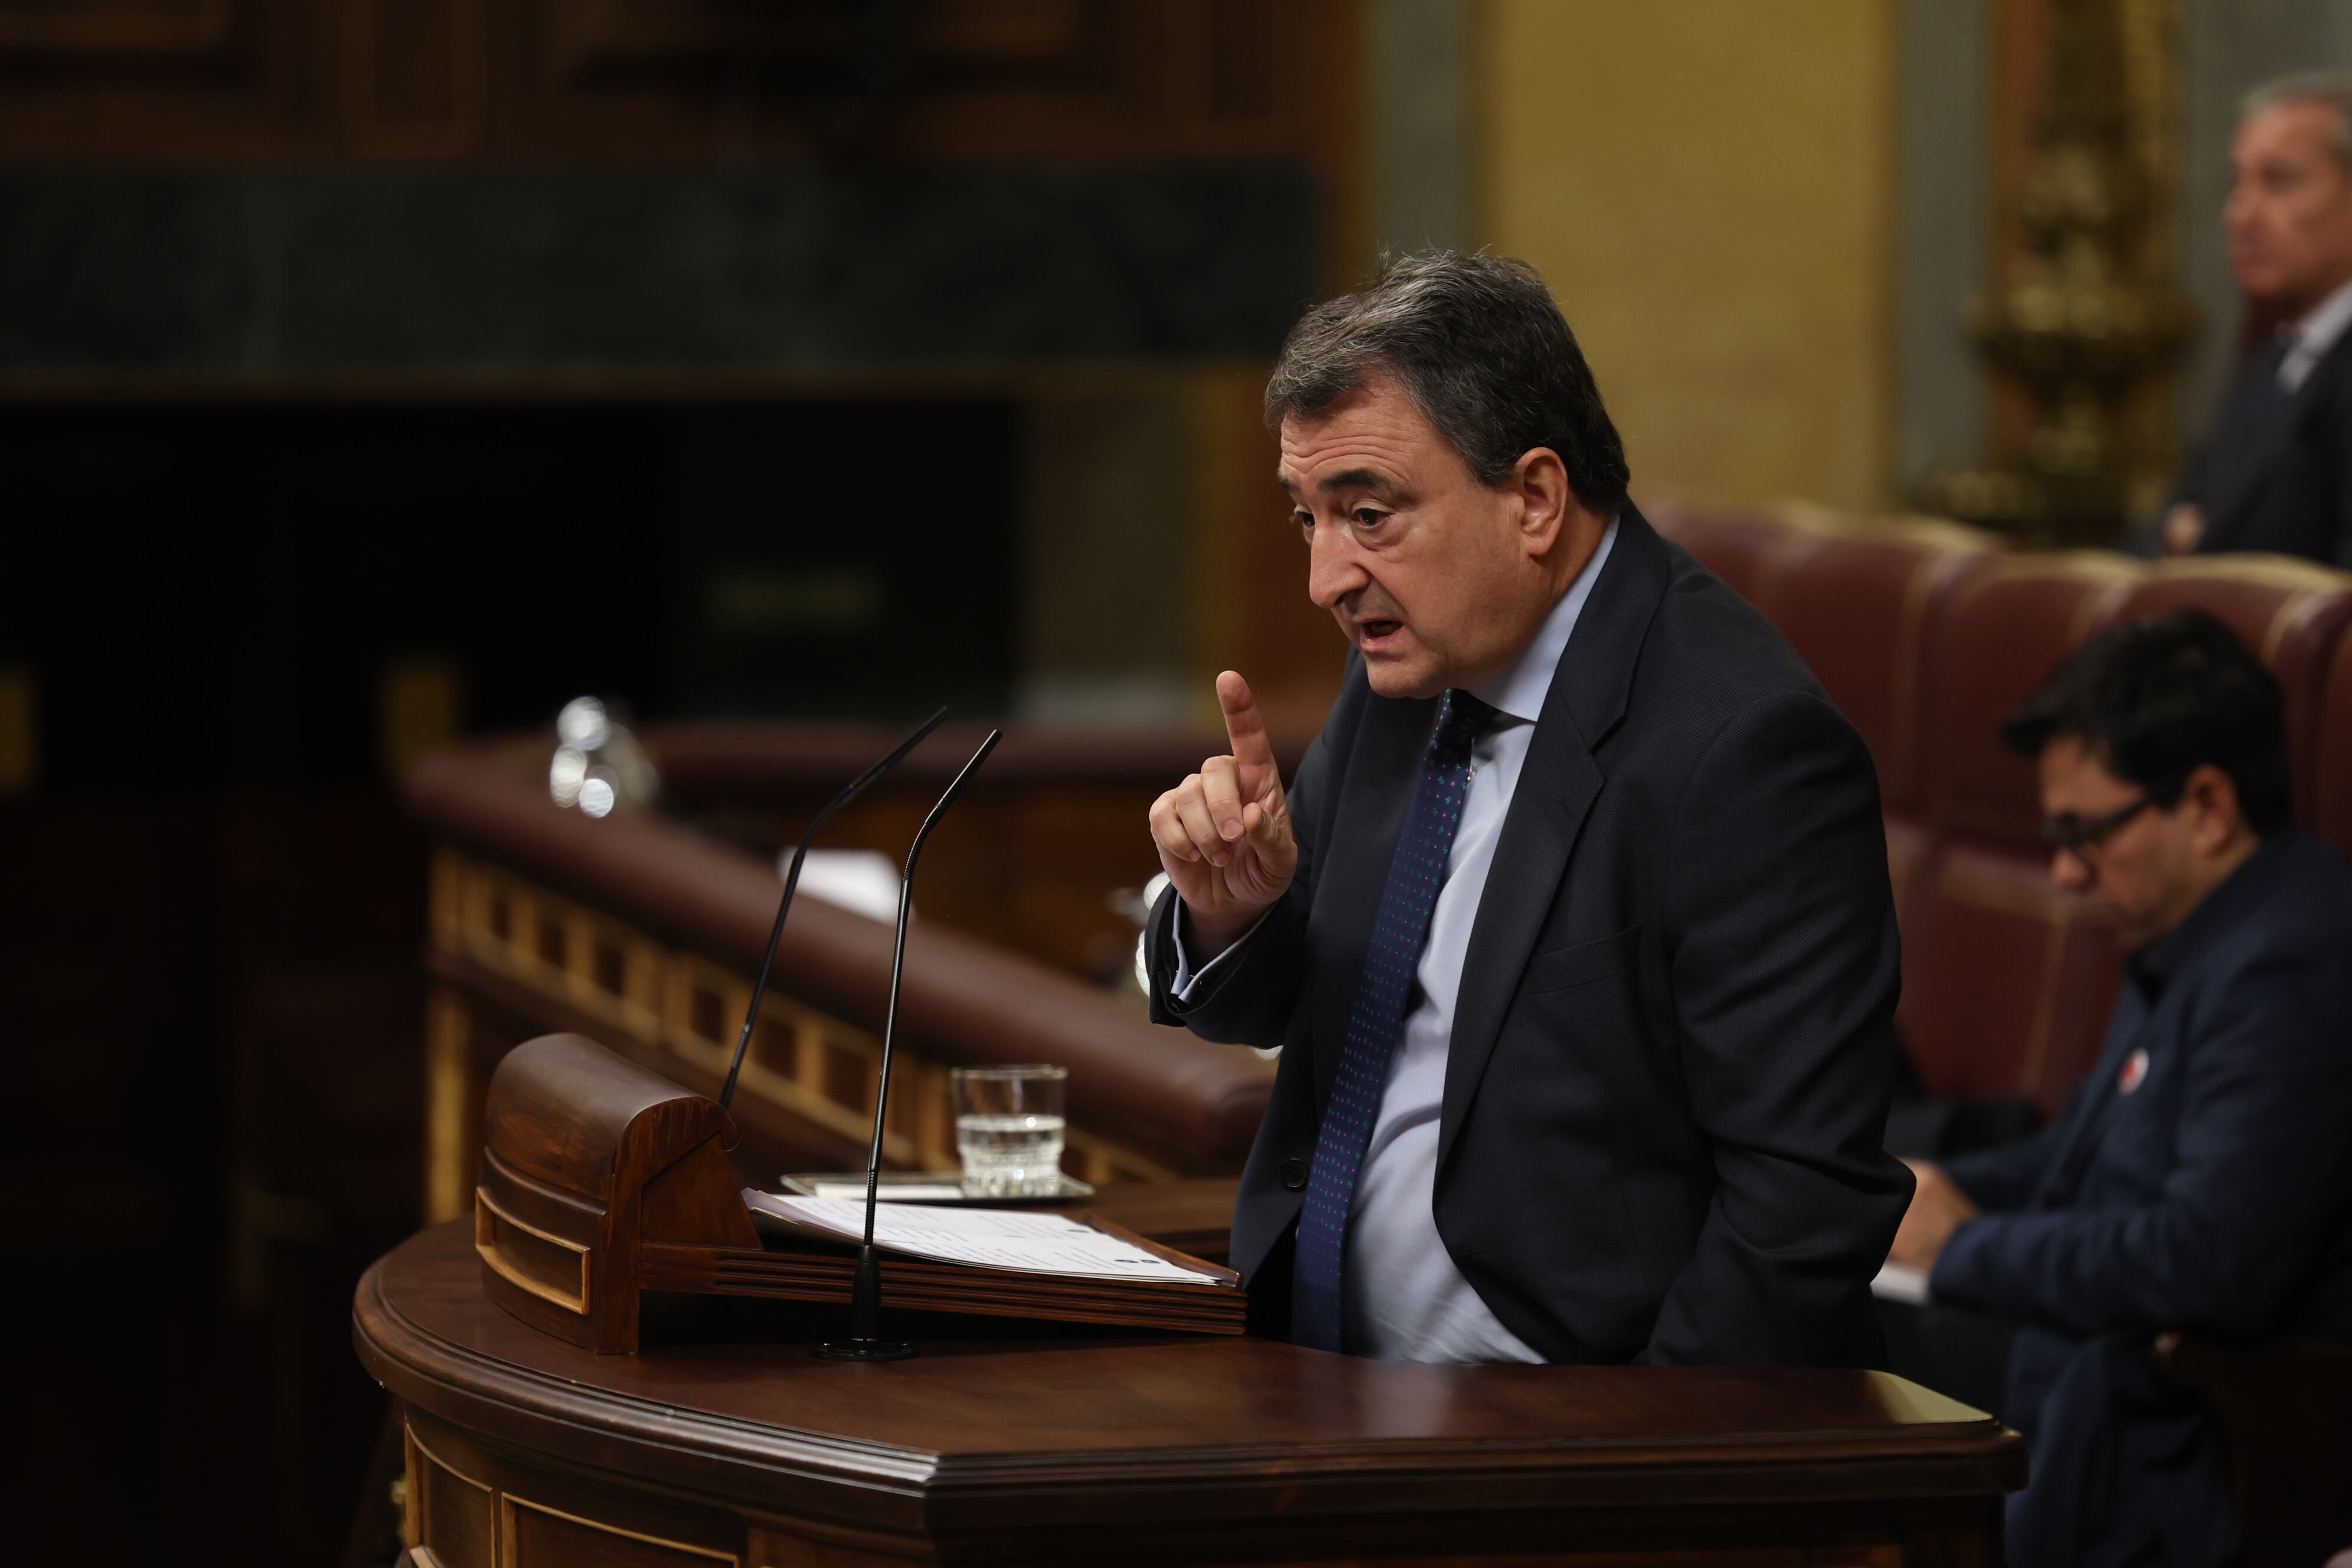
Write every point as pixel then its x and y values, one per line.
pixel 853 1189
pixel 990 1238
pixel 1901 1282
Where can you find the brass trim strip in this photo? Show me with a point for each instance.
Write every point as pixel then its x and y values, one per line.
pixel 2293 611
pixel 2287 572
pixel 440 1463
pixel 507 1503
pixel 2106 566
pixel 484 1211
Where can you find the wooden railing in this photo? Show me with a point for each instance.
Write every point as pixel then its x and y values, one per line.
pixel 644 931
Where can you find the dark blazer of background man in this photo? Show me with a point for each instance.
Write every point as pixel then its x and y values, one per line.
pixel 2273 471
pixel 2200 1177
pixel 1667 1083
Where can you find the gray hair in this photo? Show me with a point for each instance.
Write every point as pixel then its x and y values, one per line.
pixel 2332 88
pixel 1481 348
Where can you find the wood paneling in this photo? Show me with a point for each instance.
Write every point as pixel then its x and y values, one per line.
pixel 413 77
pixel 472 1508
pixel 108 81
pixel 196 82
pixel 455 1515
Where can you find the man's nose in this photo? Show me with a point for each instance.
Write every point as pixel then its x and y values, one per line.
pixel 2070 871
pixel 1333 570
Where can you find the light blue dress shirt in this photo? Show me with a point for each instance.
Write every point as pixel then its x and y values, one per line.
pixel 1403 1299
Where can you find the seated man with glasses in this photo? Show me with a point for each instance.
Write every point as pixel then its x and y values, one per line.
pixel 2200 1177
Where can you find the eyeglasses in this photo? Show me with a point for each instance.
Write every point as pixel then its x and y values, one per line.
pixel 2079 836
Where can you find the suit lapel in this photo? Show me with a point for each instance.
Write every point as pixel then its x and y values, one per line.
pixel 2239 481
pixel 1557 787
pixel 1383 771
pixel 2242 455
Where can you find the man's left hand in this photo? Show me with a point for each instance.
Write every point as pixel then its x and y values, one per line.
pixel 1937 1209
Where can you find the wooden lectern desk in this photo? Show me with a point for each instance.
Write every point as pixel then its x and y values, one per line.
pixel 725 1441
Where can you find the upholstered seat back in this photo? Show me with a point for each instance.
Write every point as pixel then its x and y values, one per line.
pixel 2293 612
pixel 1928 635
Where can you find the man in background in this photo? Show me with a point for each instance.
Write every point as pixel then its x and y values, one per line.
pixel 2275 469
pixel 2200 1177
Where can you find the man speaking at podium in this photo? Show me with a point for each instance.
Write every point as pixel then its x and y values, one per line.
pixel 1574 926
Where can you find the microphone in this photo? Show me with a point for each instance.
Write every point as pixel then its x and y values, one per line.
pixel 792 880
pixel 865 1342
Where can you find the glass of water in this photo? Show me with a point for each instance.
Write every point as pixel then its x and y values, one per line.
pixel 1009 1129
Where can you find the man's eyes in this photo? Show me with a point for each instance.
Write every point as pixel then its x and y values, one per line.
pixel 1362 517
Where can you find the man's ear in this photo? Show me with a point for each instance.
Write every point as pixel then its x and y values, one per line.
pixel 1545 501
pixel 2215 795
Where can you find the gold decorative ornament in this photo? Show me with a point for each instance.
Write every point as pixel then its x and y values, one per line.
pixel 2087 322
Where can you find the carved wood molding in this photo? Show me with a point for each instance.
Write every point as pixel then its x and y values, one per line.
pixel 667 1006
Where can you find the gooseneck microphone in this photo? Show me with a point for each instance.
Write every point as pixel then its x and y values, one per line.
pixel 865 1342
pixel 792 880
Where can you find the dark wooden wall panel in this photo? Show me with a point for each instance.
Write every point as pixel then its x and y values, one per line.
pixel 194 83
pixel 163 80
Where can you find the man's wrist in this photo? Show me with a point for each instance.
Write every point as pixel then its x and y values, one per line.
pixel 1206 938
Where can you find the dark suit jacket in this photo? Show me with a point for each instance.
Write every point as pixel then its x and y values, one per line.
pixel 2215 1194
pixel 2284 484
pixel 1666 1093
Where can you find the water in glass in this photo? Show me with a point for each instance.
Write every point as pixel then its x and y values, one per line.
pixel 1009 1156
pixel 1008 1129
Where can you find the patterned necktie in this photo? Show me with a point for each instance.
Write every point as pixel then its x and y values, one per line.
pixel 1399 930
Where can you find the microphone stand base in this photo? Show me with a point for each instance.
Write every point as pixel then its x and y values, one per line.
pixel 863 1350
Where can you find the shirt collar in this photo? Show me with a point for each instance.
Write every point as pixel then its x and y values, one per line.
pixel 2316 332
pixel 1519 690
pixel 2222 910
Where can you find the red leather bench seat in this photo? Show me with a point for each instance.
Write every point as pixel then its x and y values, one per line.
pixel 1731 544
pixel 2004 632
pixel 2006 989
pixel 1863 609
pixel 1928 635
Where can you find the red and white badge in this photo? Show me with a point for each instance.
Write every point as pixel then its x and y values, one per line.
pixel 2135 1070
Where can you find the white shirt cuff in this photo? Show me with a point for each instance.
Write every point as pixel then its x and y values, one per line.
pixel 1180 987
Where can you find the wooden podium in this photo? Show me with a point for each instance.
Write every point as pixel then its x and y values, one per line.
pixel 724 1441
pixel 1003 1444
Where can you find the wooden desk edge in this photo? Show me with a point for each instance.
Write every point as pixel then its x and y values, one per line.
pixel 770 1468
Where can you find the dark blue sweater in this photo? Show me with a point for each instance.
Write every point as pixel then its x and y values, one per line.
pixel 2200 1177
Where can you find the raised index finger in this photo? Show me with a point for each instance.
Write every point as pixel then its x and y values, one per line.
pixel 1245 733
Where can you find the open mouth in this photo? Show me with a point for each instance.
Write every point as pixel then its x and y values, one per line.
pixel 1372 632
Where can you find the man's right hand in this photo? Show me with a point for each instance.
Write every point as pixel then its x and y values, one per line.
pixel 1223 834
